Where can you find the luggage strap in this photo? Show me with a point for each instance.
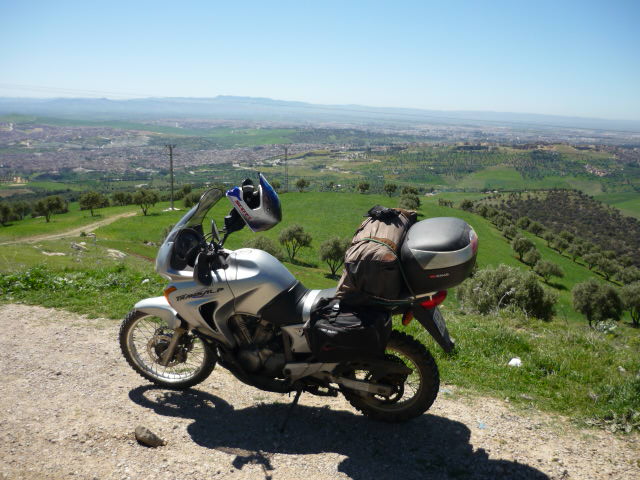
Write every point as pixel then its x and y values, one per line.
pixel 380 241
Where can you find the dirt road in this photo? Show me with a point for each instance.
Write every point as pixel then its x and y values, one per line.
pixel 70 403
pixel 71 233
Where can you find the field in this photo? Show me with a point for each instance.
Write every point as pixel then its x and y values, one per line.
pixel 560 373
pixel 627 202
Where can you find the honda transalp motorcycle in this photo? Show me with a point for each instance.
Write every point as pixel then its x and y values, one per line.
pixel 242 309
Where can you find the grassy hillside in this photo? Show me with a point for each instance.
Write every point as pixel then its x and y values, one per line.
pixel 567 367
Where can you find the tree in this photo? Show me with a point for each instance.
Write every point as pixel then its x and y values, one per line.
pixel 592 259
pixel 628 275
pixel 536 228
pixel 596 301
pixel 145 199
pixel 523 223
pixel 501 221
pixel 409 190
pixel 510 231
pixel 549 237
pixel 48 206
pixel 630 296
pixel 293 238
pixel 409 201
pixel 276 186
pixel 301 184
pixel 5 213
pixel 559 244
pixel 332 252
pixel 608 267
pixel 531 257
pixel 265 244
pixel 190 199
pixel 547 269
pixel 390 188
pixel 122 198
pixel 92 201
pixel 21 209
pixel 574 251
pixel 363 187
pixel 466 205
pixel 521 245
pixel 567 236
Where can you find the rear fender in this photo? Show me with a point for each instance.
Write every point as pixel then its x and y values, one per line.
pixel 159 307
pixel 433 322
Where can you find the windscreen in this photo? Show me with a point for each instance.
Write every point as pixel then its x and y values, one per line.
pixel 195 216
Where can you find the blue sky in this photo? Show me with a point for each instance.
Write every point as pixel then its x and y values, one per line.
pixel 562 57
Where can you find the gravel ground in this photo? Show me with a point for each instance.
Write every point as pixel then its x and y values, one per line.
pixel 70 403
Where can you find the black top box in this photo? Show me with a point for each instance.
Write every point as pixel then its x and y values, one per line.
pixel 438 253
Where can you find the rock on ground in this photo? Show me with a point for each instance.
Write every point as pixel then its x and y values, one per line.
pixel 70 403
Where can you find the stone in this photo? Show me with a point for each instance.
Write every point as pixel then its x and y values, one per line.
pixel 146 437
pixel 515 362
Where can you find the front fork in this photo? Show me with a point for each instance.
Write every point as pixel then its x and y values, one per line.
pixel 167 355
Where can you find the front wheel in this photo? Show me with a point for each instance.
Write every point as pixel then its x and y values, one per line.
pixel 413 394
pixel 143 340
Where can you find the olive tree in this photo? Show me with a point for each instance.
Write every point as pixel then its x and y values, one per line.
pixel 5 213
pixel 409 201
pixel 301 184
pixel 521 245
pixel 363 187
pixel 332 252
pixel 531 257
pixel 145 199
pixel 547 269
pixel 92 201
pixel 390 188
pixel 48 206
pixel 630 295
pixel 293 238
pixel 596 301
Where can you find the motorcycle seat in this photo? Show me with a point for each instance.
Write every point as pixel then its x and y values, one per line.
pixel 294 305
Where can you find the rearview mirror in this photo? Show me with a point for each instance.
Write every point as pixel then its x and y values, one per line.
pixel 215 235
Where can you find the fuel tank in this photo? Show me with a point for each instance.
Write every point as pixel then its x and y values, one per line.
pixel 255 278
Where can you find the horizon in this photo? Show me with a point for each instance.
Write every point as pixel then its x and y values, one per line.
pixel 575 59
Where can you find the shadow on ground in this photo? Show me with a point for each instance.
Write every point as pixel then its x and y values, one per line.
pixel 429 447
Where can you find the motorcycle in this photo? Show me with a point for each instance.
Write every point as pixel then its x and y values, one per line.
pixel 242 309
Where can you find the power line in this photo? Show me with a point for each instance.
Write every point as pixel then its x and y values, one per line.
pixel 171 147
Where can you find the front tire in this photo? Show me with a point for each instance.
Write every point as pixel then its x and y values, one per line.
pixel 143 338
pixel 413 394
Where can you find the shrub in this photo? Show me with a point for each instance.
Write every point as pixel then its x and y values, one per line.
pixel 145 199
pixel 332 252
pixel 409 201
pixel 293 238
pixel 363 187
pixel 596 301
pixel 494 288
pixel 466 204
pixel 266 244
pixel 190 199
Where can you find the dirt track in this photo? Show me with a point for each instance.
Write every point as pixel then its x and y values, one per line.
pixel 70 403
pixel 71 233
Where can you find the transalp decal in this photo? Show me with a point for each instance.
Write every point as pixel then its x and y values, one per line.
pixel 199 294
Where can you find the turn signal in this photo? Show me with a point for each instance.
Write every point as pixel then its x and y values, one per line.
pixel 168 291
pixel 435 300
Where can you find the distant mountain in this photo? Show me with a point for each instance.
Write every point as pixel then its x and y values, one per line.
pixel 265 109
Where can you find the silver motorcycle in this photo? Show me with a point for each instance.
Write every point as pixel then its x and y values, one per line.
pixel 242 309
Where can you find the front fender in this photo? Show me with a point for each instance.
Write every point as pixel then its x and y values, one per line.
pixel 159 307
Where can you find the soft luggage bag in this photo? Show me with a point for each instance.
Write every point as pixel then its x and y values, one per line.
pixel 372 270
pixel 337 333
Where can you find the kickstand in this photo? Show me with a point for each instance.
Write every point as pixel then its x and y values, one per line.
pixel 291 407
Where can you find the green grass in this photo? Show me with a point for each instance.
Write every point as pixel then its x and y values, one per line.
pixel 75 218
pixel 627 202
pixel 567 367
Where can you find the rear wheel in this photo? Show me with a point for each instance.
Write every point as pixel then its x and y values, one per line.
pixel 143 340
pixel 412 395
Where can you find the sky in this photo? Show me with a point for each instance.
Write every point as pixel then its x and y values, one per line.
pixel 575 58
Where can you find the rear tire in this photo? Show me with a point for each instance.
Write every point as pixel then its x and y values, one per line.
pixel 142 339
pixel 414 394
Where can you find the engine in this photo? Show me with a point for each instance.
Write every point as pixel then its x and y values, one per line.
pixel 259 348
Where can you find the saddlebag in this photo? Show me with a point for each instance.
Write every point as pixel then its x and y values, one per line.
pixel 336 333
pixel 372 269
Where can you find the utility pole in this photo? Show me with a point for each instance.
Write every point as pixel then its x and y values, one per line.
pixel 286 168
pixel 171 147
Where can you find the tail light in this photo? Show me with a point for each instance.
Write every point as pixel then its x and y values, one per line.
pixel 435 300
